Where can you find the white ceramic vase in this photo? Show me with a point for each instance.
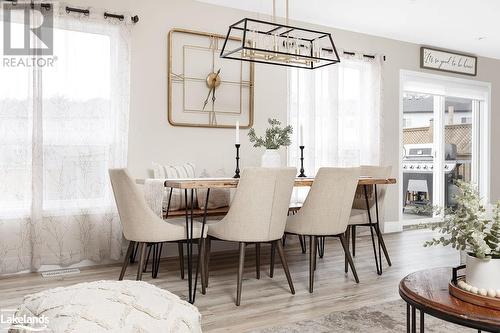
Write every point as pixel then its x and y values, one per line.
pixel 482 273
pixel 271 159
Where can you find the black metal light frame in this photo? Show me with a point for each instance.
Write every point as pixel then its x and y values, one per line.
pixel 230 54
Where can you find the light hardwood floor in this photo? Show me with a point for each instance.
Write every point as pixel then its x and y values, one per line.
pixel 268 302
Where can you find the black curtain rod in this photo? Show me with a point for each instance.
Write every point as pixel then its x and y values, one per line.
pixel 86 12
pixel 46 6
pixel 369 56
pixel 364 55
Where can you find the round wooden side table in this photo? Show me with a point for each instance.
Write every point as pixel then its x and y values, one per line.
pixel 427 291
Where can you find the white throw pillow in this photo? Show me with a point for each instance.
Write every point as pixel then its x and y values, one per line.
pixel 187 170
pixel 219 197
pixel 158 171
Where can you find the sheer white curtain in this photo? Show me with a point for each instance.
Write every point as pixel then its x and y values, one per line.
pixel 338 108
pixel 61 128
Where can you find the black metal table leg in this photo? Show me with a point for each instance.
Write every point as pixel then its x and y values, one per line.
pixel 189 248
pixel 169 199
pixel 204 221
pixel 422 326
pixel 372 226
pixel 379 233
pixel 408 320
pixel 413 320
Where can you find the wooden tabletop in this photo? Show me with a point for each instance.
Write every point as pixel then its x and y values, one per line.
pixel 427 290
pixel 195 183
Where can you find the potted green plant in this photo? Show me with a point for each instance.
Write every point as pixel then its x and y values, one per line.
pixel 467 228
pixel 275 137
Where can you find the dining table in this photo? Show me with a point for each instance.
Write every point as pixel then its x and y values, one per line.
pixel 189 185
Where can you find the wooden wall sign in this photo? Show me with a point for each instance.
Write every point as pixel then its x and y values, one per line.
pixel 447 61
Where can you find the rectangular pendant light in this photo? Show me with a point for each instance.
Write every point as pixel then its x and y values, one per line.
pixel 278 44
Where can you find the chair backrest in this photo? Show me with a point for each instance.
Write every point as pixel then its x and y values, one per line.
pixel 137 219
pixel 259 209
pixel 327 207
pixel 378 172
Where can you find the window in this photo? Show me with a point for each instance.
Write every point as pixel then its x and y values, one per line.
pixel 77 127
pixel 338 108
pixel 78 121
pixel 62 126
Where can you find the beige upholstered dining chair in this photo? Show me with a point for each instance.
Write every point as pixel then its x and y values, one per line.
pixel 140 224
pixel 359 213
pixel 325 212
pixel 257 215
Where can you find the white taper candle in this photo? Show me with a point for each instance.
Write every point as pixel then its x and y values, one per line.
pixel 237 134
pixel 301 136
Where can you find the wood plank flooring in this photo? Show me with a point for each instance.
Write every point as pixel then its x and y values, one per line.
pixel 268 302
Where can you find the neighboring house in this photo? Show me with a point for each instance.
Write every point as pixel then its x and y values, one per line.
pixel 418 111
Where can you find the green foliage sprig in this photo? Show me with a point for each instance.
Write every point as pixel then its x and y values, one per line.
pixel 275 137
pixel 466 227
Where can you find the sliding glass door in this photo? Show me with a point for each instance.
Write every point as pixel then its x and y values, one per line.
pixel 441 144
pixel 418 149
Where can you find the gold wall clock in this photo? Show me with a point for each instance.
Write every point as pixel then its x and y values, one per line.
pixel 205 90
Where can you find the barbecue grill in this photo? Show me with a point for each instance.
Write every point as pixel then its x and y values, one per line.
pixel 418 168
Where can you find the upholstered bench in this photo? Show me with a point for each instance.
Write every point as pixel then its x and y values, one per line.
pixel 112 306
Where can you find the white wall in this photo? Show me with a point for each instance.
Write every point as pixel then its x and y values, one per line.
pixel 153 139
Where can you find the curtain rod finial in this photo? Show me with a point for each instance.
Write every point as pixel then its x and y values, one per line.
pixel 135 18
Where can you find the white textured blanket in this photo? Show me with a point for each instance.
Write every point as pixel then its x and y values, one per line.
pixel 112 306
pixel 153 193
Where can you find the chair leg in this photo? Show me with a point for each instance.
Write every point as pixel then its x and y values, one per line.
pixel 302 240
pixel 285 266
pixel 349 258
pixel 241 266
pixel 315 251
pixel 151 246
pixel 142 254
pixel 133 255
pixel 353 231
pixel 312 261
pixel 130 251
pixel 321 246
pixel 273 255
pixel 158 247
pixel 257 260
pixel 180 248
pixel 346 234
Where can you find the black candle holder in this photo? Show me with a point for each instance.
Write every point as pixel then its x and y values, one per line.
pixel 302 174
pixel 237 171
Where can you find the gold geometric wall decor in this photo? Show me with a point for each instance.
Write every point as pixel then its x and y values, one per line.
pixel 205 90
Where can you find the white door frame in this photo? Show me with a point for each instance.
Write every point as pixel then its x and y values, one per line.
pixel 482 148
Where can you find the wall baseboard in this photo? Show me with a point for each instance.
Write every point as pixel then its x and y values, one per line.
pixel 391 227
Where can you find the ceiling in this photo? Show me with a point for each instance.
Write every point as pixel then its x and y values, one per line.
pixel 471 26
